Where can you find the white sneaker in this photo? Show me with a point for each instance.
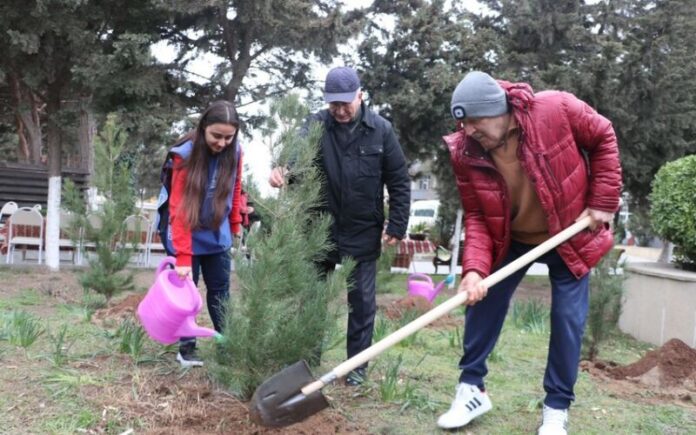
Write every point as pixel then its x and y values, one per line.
pixel 188 359
pixel 555 421
pixel 469 403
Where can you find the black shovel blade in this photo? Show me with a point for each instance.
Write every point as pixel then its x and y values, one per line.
pixel 279 400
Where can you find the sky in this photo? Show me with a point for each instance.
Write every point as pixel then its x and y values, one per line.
pixel 257 156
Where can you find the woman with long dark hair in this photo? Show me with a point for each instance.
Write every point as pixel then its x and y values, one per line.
pixel 204 210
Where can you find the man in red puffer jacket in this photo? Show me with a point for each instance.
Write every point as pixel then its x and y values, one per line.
pixel 527 166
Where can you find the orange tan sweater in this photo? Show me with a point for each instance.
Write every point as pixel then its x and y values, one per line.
pixel 528 223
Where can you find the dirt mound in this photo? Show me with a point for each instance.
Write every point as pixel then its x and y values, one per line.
pixel 409 304
pixel 118 312
pixel 668 373
pixel 413 307
pixel 672 365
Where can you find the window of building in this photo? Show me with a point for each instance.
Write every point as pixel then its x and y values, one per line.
pixel 424 183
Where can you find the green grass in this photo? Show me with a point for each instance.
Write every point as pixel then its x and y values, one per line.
pixel 27 297
pixel 428 372
pixel 407 388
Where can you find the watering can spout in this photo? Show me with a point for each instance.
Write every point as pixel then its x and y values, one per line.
pixel 422 285
pixel 190 329
pixel 449 280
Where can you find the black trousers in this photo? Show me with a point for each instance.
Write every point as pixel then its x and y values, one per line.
pixel 362 305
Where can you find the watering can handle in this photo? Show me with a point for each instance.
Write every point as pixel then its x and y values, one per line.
pixel 422 276
pixel 445 307
pixel 164 263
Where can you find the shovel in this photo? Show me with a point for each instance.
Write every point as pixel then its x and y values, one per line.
pixel 292 394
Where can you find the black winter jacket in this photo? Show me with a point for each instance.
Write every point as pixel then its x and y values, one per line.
pixel 355 176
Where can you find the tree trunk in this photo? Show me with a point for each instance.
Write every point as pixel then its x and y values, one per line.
pixel 86 136
pixel 54 179
pixel 666 254
pixel 26 108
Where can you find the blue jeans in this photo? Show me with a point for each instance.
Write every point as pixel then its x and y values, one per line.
pixel 216 275
pixel 569 304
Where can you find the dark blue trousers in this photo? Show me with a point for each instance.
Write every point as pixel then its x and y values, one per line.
pixel 362 305
pixel 569 304
pixel 216 276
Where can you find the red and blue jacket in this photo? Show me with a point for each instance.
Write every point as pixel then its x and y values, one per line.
pixel 185 243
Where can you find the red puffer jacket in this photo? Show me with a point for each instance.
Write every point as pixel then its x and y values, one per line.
pixel 569 153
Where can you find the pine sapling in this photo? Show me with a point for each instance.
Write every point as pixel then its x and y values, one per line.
pixel 284 310
pixel 606 291
pixel 103 230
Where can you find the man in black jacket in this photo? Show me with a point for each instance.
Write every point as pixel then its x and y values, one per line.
pixel 359 155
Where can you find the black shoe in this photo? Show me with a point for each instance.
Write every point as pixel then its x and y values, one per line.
pixel 356 378
pixel 187 356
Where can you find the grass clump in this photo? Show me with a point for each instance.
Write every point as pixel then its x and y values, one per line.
pixel 61 343
pixel 531 316
pixel 131 338
pixel 22 329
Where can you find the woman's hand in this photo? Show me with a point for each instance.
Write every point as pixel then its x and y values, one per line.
pixel 183 271
pixel 474 288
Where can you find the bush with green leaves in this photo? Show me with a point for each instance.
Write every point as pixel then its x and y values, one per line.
pixel 284 309
pixel 673 209
pixel 103 230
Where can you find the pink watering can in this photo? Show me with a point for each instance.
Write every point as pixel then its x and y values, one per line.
pixel 168 310
pixel 420 284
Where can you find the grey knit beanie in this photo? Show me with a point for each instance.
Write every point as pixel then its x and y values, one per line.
pixel 478 95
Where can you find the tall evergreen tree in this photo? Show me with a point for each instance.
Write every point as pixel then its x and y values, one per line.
pixel 409 65
pixel 65 53
pixel 654 93
pixel 266 46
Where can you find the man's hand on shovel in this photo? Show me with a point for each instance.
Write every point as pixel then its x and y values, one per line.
pixel 473 285
pixel 598 217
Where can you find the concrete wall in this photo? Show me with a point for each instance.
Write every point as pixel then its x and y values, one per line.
pixel 659 303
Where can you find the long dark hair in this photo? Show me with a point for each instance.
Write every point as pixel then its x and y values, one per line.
pixel 219 112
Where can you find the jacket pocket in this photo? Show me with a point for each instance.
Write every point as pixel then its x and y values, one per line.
pixel 370 160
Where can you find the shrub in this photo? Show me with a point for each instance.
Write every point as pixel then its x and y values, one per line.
pixel 673 211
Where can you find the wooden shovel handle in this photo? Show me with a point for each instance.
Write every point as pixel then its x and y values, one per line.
pixel 371 352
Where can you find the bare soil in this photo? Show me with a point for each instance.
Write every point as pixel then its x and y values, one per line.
pixel 668 372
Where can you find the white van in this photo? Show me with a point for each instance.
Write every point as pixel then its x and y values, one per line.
pixel 424 211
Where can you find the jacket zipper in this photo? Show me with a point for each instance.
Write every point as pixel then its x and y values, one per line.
pixel 541 158
pixel 482 162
